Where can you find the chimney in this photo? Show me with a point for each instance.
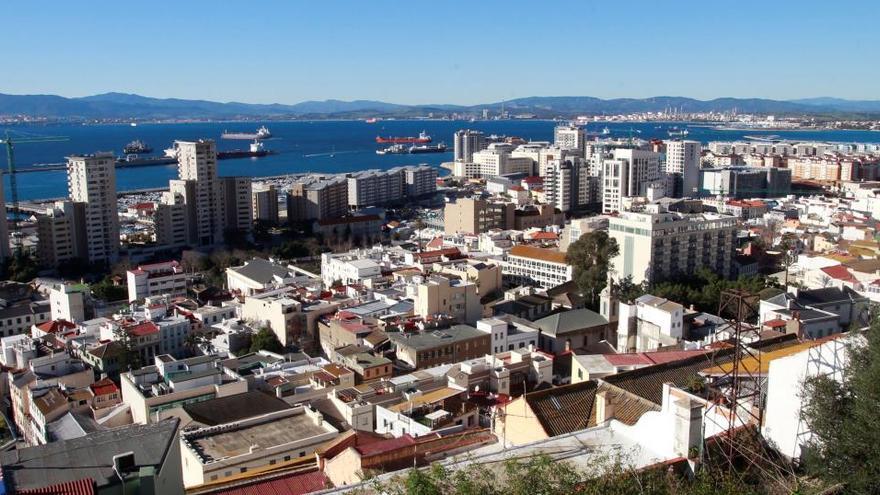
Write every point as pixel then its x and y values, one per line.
pixel 604 407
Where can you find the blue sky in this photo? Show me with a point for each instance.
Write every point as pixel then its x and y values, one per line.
pixel 463 52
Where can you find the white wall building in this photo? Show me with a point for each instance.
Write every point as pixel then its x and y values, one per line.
pixel 156 279
pixel 92 180
pixel 628 174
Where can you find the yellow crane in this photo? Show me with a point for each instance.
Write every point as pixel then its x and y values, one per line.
pixel 10 143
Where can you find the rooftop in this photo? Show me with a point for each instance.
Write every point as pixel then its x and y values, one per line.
pixel 234 408
pixel 436 338
pixel 90 456
pixel 266 433
pixel 549 255
pixel 570 321
pixel 262 271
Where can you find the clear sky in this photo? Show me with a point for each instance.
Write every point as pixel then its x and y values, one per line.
pixel 463 52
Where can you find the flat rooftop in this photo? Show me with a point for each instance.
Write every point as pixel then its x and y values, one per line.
pixel 264 435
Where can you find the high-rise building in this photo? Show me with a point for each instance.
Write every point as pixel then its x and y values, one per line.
pixel 92 180
pixel 659 244
pixel 61 233
pixel 746 182
pixel 475 216
pixel 467 142
pixel 568 184
pixel 375 187
pixel 570 137
pixel 683 160
pixel 4 226
pixel 494 161
pixel 237 199
pixel 170 220
pixel 628 174
pixel 265 203
pixel 317 200
pixel 420 180
pixel 197 162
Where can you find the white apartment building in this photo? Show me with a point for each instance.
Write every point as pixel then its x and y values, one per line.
pixel 156 279
pixel 420 180
pixel 317 199
pixel 265 203
pixel 628 174
pixel 61 233
pixel 197 162
pixel 348 268
pixel 649 323
pixel 375 187
pixel 67 302
pixel 494 161
pixel 466 143
pixel 92 180
pixel 170 223
pixel 277 310
pixel 683 159
pixel 567 184
pixel 570 137
pixel 529 265
pixel 657 244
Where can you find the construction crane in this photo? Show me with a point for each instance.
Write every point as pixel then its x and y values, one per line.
pixel 10 143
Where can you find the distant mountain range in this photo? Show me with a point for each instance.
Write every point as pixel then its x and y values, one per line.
pixel 131 106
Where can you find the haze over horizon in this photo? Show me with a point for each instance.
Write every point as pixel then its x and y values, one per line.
pixel 461 54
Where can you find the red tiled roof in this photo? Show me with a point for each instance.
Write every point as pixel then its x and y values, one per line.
pixel 289 484
pixel 545 236
pixel 775 323
pixel 453 251
pixel 534 180
pixel 56 326
pixel 85 486
pixel 143 206
pixel 839 272
pixel 385 446
pixel 104 387
pixel 650 358
pixel 143 329
pixel 436 242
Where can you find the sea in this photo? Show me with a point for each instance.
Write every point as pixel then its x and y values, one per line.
pixel 325 146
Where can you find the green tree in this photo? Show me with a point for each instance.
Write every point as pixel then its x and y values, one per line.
pixel 106 290
pixel 843 418
pixel 590 256
pixel 266 340
pixel 627 291
pixel 21 268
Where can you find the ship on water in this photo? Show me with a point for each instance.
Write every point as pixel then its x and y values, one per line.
pixel 394 149
pixel 137 147
pixel 427 148
pixel 422 138
pixel 675 132
pixel 262 133
pixel 255 150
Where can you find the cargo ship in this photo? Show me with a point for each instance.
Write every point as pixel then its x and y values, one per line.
pixel 421 139
pixel 255 150
pixel 137 147
pixel 394 149
pixel 262 133
pixel 427 148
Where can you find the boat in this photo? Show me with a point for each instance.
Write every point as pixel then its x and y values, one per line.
pixel 255 150
pixel 372 120
pixel 768 137
pixel 676 133
pixel 427 148
pixel 394 149
pixel 422 138
pixel 134 160
pixel 262 133
pixel 137 147
pixel 134 124
pixel 606 131
pixel 171 152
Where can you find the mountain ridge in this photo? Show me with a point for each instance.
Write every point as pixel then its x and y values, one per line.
pixel 117 105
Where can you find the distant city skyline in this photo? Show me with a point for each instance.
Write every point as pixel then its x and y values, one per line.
pixel 465 53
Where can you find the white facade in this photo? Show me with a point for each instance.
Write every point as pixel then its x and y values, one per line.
pixel 67 303
pixel 156 279
pixel 656 245
pixel 92 180
pixel 628 174
pixel 683 157
pixel 570 137
pixel 544 267
pixel 197 162
pixel 375 187
pixel 649 323
pixel 466 143
pixel 347 269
